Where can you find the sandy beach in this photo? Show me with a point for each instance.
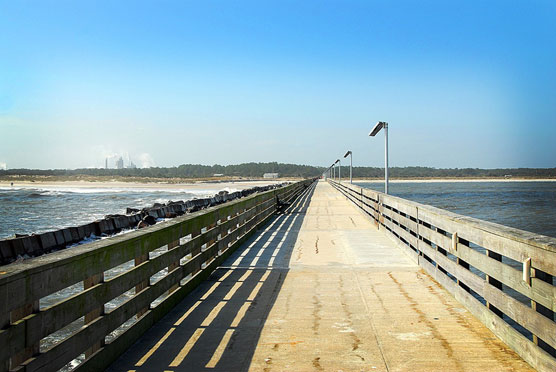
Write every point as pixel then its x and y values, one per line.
pixel 151 186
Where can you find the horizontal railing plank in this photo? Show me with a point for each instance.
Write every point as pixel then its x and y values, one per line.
pixel 539 291
pixel 507 242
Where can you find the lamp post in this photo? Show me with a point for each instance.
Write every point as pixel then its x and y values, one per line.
pixel 374 131
pixel 334 171
pixel 339 170
pixel 350 165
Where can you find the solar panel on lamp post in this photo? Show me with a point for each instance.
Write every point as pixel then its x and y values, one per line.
pixel 374 131
pixel 350 165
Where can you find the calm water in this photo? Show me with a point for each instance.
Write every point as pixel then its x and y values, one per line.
pixel 529 206
pixel 35 210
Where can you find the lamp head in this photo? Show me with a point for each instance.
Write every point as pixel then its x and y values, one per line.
pixel 377 128
pixel 347 154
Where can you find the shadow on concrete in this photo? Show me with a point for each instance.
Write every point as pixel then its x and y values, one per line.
pixel 217 327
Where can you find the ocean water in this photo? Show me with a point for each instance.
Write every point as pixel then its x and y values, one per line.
pixel 36 210
pixel 529 206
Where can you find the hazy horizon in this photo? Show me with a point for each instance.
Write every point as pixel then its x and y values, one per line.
pixel 344 165
pixel 462 85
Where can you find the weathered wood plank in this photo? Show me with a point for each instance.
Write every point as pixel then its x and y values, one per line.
pixel 402 232
pixel 400 204
pixel 539 291
pixel 63 313
pixel 506 241
pixel 473 281
pixel 402 220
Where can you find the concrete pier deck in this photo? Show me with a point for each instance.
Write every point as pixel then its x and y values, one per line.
pixel 319 289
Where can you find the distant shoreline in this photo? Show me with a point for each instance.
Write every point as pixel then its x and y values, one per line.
pixel 431 180
pixel 155 185
pixel 214 184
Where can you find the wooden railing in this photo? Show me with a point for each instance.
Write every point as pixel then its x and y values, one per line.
pixel 120 286
pixel 504 276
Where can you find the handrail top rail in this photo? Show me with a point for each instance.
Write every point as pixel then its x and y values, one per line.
pixel 18 270
pixel 539 241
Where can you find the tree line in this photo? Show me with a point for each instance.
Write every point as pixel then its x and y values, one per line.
pixel 428 172
pixel 256 170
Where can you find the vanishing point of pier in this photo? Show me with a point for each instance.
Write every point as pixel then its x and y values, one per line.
pixel 340 279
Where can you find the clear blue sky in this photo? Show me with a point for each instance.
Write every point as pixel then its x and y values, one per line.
pixel 462 83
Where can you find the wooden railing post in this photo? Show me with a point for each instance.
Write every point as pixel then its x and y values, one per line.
pixel 142 285
pixel 224 232
pixel 174 265
pixel 196 251
pixel 378 213
pixel 545 277
pixel 494 282
pixel 463 263
pixel 92 315
pixel 213 240
pixel 29 351
pixel 4 323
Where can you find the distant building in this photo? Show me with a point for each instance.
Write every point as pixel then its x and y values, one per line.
pixel 132 165
pixel 120 163
pixel 106 164
pixel 270 175
pixel 217 175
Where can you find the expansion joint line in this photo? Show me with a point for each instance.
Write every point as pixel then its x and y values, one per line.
pixel 371 321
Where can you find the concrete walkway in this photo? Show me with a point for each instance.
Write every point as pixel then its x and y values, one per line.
pixel 320 289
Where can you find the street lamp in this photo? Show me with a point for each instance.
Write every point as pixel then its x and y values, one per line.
pixel 374 131
pixel 350 165
pixel 339 170
pixel 334 171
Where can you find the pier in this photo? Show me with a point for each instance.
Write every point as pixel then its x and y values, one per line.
pixel 340 278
